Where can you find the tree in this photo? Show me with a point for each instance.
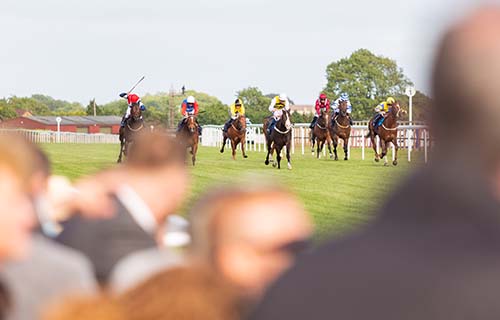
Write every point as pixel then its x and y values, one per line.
pixel 367 78
pixel 256 104
pixel 90 108
pixel 421 106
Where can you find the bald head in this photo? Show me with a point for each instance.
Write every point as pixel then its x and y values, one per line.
pixel 467 85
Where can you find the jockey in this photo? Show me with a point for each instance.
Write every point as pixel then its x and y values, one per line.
pixel 277 105
pixel 343 97
pixel 189 107
pixel 381 110
pixel 131 100
pixel 322 102
pixel 236 108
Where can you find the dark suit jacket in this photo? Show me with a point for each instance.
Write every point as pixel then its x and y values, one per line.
pixel 434 253
pixel 106 241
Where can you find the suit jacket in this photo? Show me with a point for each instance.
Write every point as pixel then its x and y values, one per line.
pixel 106 241
pixel 51 272
pixel 434 253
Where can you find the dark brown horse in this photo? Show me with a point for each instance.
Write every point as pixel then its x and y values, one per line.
pixel 189 137
pixel 237 134
pixel 387 132
pixel 321 134
pixel 133 126
pixel 341 128
pixel 280 136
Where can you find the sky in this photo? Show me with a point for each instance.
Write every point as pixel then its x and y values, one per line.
pixel 78 50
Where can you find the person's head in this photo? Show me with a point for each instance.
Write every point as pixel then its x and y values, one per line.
pixel 466 112
pixel 322 98
pixel 156 167
pixel 249 235
pixel 391 101
pixel 187 293
pixel 133 99
pixel 237 102
pixel 190 101
pixel 283 97
pixel 41 172
pixel 16 210
pixel 344 97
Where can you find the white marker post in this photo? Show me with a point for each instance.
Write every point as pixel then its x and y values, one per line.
pixel 410 92
pixel 58 120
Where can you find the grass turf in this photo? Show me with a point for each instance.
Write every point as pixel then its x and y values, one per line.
pixel 339 195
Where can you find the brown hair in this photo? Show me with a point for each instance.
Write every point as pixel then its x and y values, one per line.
pixel 184 293
pixel 17 155
pixel 152 150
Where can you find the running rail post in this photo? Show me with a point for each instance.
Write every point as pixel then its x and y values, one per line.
pixel 363 140
pixel 408 133
pixel 302 137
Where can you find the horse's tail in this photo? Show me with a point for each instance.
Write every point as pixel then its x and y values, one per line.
pixel 369 134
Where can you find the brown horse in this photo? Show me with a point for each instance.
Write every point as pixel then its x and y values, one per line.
pixel 321 134
pixel 133 126
pixel 387 132
pixel 341 128
pixel 189 137
pixel 237 134
pixel 280 136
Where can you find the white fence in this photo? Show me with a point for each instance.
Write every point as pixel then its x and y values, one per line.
pixel 39 136
pixel 414 137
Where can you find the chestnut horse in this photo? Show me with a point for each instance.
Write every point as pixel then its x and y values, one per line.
pixel 237 134
pixel 280 136
pixel 321 134
pixel 133 126
pixel 387 132
pixel 341 128
pixel 189 137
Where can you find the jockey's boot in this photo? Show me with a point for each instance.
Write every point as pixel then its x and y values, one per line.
pixel 122 124
pixel 271 126
pixel 179 126
pixel 313 123
pixel 226 126
pixel 199 130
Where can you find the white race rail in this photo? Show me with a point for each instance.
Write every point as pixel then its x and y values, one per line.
pixel 414 137
pixel 39 136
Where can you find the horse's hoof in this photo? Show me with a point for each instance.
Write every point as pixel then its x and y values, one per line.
pixel 395 162
pixel 386 164
pixel 336 159
pixel 245 156
pixel 345 159
pixel 331 156
pixel 289 166
pixel 221 151
pixel 266 162
pixel 275 164
pixel 377 159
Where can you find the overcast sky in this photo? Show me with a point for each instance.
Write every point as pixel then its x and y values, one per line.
pixel 76 50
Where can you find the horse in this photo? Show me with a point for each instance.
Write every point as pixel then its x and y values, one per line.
pixel 341 128
pixel 321 133
pixel 280 136
pixel 189 137
pixel 133 125
pixel 388 132
pixel 237 134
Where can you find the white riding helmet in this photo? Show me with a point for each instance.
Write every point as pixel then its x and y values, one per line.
pixel 191 99
pixel 283 97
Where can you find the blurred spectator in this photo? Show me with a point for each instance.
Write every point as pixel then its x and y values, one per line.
pixel 51 270
pixel 434 252
pixel 185 293
pixel 16 210
pixel 140 195
pixel 249 235
pixel 95 308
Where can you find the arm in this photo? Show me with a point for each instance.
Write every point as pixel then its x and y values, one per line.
pixel 196 108
pixel 183 109
pixel 271 106
pixel 143 107
pixel 232 110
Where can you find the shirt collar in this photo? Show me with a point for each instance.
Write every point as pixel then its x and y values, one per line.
pixel 137 208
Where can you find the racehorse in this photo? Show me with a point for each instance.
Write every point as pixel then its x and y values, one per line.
pixel 189 137
pixel 237 134
pixel 133 126
pixel 388 132
pixel 341 128
pixel 321 134
pixel 280 136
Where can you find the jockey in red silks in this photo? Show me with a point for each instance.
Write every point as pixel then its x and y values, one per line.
pixel 321 102
pixel 189 107
pixel 131 100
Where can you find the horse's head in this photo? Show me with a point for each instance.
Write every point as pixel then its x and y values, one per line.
pixel 287 119
pixel 136 111
pixel 240 122
pixel 191 123
pixel 396 110
pixel 343 108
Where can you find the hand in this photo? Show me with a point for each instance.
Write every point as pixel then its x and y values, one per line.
pixel 143 108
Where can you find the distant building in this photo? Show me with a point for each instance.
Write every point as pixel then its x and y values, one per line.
pixel 23 113
pixel 302 109
pixel 84 124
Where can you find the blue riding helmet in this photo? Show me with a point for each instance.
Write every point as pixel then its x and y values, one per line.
pixel 344 97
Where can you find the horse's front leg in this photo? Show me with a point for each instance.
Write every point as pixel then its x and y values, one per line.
pixel 396 147
pixel 243 143
pixel 121 152
pixel 278 156
pixel 268 151
pixel 224 139
pixel 384 145
pixel 194 149
pixel 313 141
pixel 329 144
pixel 288 148
pixel 346 149
pixel 234 144
pixel 374 146
pixel 335 144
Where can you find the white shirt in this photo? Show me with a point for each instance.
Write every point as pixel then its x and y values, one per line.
pixel 137 208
